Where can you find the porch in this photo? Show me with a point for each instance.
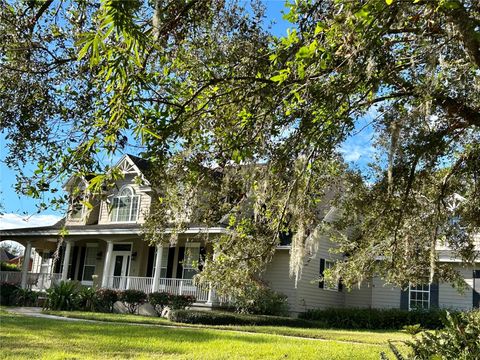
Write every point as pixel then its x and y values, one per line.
pixel 42 282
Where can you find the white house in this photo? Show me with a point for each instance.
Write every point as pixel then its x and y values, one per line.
pixel 104 245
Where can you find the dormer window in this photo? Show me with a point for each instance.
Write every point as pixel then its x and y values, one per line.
pixel 125 206
pixel 77 209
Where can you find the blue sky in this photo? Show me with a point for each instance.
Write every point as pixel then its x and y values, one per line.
pixel 19 211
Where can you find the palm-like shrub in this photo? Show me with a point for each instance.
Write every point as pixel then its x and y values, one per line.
pixel 25 297
pixel 62 296
pixel 87 299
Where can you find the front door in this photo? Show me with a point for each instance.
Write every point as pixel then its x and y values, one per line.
pixel 119 269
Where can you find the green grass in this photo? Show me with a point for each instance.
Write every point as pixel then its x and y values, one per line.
pixel 368 337
pixel 28 338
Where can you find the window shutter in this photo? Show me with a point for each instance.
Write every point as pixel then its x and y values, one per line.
pixel 151 255
pixel 181 256
pixel 434 294
pixel 81 263
pixel 203 253
pixel 71 274
pixel 404 299
pixel 322 269
pixel 171 255
pixel 476 289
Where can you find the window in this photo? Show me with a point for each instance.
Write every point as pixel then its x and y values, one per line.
pixel 419 296
pixel 76 208
pixel 89 263
pixel 190 261
pixel 330 284
pixel 125 206
pixel 163 269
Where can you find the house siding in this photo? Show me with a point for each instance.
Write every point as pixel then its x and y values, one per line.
pixel 450 298
pixel 144 203
pixel 384 297
pixel 359 297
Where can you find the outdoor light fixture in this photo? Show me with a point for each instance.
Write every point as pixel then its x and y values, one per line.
pixel 134 255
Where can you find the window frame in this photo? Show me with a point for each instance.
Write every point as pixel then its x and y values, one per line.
pixel 114 213
pixel 91 247
pixel 415 289
pixel 185 265
pixel 328 265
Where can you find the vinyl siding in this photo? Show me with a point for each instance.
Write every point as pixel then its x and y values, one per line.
pixel 145 200
pixel 450 298
pixel 359 297
pixel 384 297
pixel 277 277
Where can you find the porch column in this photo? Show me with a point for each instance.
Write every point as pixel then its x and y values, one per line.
pixel 26 262
pixel 106 265
pixel 66 259
pixel 158 268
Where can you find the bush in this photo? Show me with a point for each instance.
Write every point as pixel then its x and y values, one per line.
pixel 7 293
pixel 87 299
pixel 132 299
pixel 227 318
pixel 459 339
pixel 62 296
pixel 352 318
pixel 261 301
pixel 25 297
pixel 159 300
pixel 178 302
pixel 9 267
pixel 106 298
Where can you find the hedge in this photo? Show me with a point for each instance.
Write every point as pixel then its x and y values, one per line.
pixel 354 318
pixel 227 318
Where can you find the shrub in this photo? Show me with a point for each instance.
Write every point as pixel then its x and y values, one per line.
pixel 178 302
pixel 132 299
pixel 25 297
pixel 159 300
pixel 106 298
pixel 87 299
pixel 261 301
pixel 7 293
pixel 227 318
pixel 459 339
pixel 62 296
pixel 9 267
pixel 352 318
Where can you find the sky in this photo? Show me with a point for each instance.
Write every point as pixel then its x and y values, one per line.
pixel 20 211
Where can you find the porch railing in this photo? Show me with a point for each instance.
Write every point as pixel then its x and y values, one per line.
pixel 35 281
pixel 172 286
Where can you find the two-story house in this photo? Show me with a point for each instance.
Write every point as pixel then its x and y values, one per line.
pixel 104 246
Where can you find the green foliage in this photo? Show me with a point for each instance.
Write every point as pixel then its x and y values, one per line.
pixel 4 266
pixel 25 297
pixel 132 299
pixel 88 299
pixel 352 318
pixel 261 301
pixel 62 296
pixel 106 298
pixel 228 318
pixel 413 329
pixel 159 300
pixel 459 339
pixel 7 293
pixel 178 302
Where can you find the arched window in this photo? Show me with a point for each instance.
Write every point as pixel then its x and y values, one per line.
pixel 125 206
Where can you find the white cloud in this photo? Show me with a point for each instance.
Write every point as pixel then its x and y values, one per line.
pixel 15 221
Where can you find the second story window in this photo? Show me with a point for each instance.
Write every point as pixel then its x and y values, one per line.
pixel 77 209
pixel 125 206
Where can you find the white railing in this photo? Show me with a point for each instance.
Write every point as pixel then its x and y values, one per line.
pixel 171 286
pixel 35 281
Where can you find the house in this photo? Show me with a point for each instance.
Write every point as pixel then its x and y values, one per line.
pixel 104 247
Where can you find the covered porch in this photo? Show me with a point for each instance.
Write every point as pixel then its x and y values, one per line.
pixel 116 261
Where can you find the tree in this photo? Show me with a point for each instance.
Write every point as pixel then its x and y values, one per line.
pixel 250 126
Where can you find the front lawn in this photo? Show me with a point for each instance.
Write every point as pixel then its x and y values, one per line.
pixel 369 337
pixel 26 338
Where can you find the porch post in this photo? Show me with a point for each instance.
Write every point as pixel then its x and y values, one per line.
pixel 66 259
pixel 158 268
pixel 26 262
pixel 106 265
